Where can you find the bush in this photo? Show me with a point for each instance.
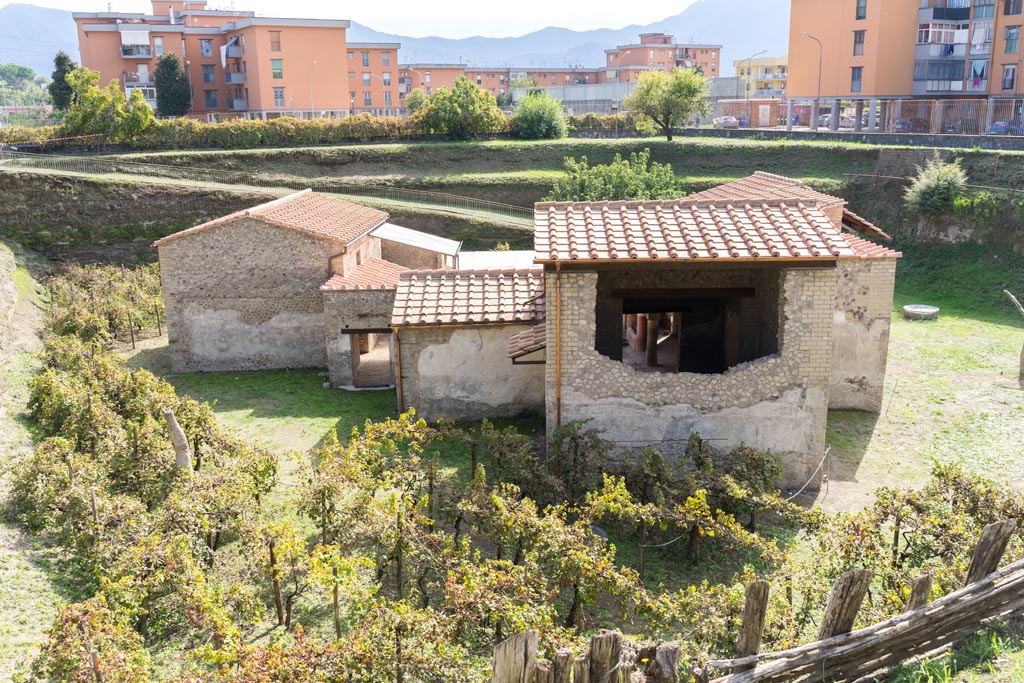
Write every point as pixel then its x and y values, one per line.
pixel 539 117
pixel 460 113
pixel 937 187
pixel 636 179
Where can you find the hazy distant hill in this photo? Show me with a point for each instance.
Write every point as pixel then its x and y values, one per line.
pixel 31 35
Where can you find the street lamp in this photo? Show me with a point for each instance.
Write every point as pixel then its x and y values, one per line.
pixel 817 101
pixel 747 62
pixel 311 107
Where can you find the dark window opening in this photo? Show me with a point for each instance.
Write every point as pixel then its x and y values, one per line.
pixel 697 330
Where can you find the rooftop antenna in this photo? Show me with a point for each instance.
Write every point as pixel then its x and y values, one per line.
pixel 110 8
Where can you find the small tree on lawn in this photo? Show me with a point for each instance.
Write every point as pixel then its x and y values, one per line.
pixel 936 187
pixel 462 112
pixel 637 178
pixel 539 117
pixel 669 99
pixel 60 91
pixel 172 88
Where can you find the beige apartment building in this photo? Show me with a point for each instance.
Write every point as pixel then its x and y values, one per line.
pixel 762 77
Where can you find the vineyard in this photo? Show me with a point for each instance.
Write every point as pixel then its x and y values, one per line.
pixel 406 551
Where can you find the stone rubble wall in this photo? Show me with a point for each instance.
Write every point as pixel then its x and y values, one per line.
pixel 411 257
pixel 860 345
pixel 777 403
pixel 245 296
pixel 464 373
pixel 360 309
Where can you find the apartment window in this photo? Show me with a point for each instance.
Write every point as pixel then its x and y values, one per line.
pixel 275 41
pixel 366 58
pixel 158 45
pixel 366 79
pixel 862 9
pixel 1012 39
pixel 858 43
pixel 277 69
pixel 351 75
pixel 351 55
pixel 211 99
pixel 183 55
pixel 985 11
pixel 387 98
pixel 426 79
pixel 479 79
pixel 940 32
pixel 1012 6
pixel 554 79
pixel 278 97
pixel 1009 76
pixel 385 58
pixel 367 98
pixel 856 77
pixel 386 77
pixel 208 75
pixel 206 47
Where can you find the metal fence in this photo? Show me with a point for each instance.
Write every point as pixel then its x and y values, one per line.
pixel 949 116
pixel 11 160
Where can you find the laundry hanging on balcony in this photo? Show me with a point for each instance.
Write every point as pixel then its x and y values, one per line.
pixel 224 52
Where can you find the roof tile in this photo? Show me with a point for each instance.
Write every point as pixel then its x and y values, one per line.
pixel 766 186
pixel 467 297
pixel 869 250
pixel 373 273
pixel 530 340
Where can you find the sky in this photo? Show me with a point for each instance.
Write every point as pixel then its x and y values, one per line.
pixel 447 18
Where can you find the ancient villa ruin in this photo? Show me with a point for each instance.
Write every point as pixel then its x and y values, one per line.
pixel 743 313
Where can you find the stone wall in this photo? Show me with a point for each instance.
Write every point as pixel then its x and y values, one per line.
pixel 778 402
pixel 361 309
pixel 245 296
pixel 465 373
pixel 860 337
pixel 410 256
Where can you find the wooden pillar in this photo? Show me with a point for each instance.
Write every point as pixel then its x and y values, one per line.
pixel 732 333
pixel 653 323
pixel 641 332
pixel 749 640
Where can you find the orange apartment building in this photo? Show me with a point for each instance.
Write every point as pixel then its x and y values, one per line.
pixel 660 51
pixel 373 78
pixel 235 62
pixel 428 77
pixel 906 48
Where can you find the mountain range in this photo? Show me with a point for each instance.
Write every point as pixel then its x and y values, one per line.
pixel 31 35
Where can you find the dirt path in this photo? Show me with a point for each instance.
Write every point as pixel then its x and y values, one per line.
pixel 30 594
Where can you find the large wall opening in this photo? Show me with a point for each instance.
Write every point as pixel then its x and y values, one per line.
pixel 673 328
pixel 371 360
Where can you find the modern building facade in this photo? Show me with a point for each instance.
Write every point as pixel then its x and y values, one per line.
pixel 906 48
pixel 659 50
pixel 373 78
pixel 762 77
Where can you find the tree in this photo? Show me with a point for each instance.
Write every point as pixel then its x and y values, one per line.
pixel 415 100
pixel 636 179
pixel 461 112
pixel 539 117
pixel 173 94
pixel 669 99
pixel 60 91
pixel 16 76
pixel 104 111
pixel 936 187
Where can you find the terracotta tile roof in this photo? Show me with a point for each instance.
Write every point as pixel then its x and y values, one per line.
pixel 307 212
pixel 373 273
pixel 468 297
pixel 528 341
pixel 867 249
pixel 766 186
pixel 682 230
pixel 854 222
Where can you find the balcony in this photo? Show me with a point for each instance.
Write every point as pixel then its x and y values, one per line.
pixel 234 51
pixel 234 78
pixel 237 104
pixel 136 51
pixel 137 78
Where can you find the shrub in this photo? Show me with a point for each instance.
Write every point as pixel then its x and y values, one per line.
pixel 937 187
pixel 460 113
pixel 539 117
pixel 636 179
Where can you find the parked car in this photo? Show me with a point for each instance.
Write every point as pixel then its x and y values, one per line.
pixel 1006 127
pixel 727 122
pixel 960 127
pixel 825 121
pixel 910 126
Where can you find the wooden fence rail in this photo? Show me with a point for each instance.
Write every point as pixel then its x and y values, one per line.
pixel 839 654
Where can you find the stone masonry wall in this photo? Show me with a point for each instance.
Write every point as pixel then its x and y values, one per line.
pixel 778 402
pixel 361 249
pixel 361 309
pixel 410 256
pixel 245 296
pixel 860 337
pixel 465 373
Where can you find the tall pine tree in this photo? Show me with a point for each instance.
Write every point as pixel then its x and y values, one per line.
pixel 60 91
pixel 173 94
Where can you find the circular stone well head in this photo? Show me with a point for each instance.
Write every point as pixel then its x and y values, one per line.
pixel 920 312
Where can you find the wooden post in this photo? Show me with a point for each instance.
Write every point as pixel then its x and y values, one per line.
pixel 472 460
pixel 641 332
pixel 182 449
pixel 581 669
pixel 562 665
pixel 626 666
pixel 653 324
pixel 545 671
pixel 749 640
pixel 663 667
pixel 844 603
pixel 515 658
pixel 920 592
pixel 131 330
pixel 159 329
pixel 605 651
pixel 1020 307
pixel 731 333
pixel 990 549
